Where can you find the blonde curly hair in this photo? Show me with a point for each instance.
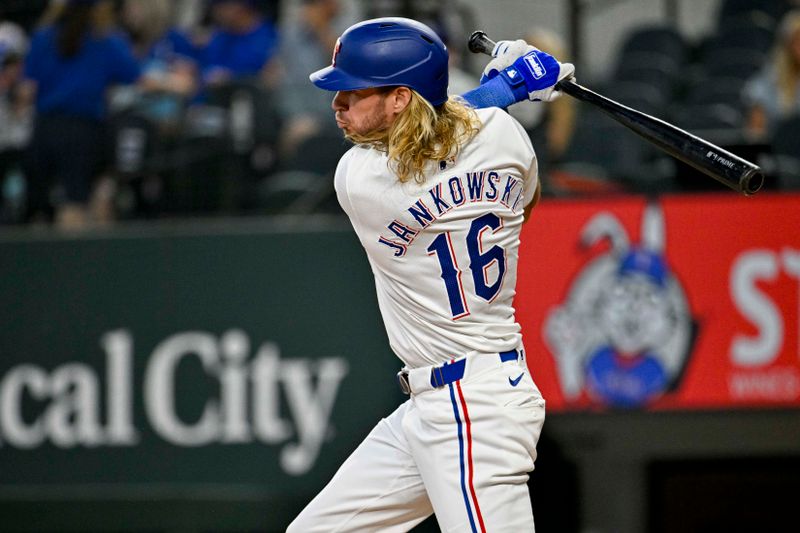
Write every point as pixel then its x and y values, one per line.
pixel 422 134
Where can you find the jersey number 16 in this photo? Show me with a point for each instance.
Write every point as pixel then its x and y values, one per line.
pixel 479 263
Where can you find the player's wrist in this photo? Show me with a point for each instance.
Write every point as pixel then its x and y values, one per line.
pixel 495 92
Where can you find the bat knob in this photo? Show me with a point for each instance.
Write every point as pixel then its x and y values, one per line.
pixel 480 43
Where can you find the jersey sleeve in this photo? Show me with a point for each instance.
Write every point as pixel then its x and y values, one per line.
pixel 340 182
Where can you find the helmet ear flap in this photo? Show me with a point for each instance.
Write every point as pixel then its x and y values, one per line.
pixel 389 51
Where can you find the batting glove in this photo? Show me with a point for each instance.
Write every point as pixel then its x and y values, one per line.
pixel 531 73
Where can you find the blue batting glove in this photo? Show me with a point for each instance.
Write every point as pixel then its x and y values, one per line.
pixel 530 73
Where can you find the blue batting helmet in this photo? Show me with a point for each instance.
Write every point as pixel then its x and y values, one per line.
pixel 385 52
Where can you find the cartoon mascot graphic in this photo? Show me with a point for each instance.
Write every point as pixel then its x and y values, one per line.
pixel 623 335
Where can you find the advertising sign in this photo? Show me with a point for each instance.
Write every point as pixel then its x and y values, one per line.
pixel 217 364
pixel 684 303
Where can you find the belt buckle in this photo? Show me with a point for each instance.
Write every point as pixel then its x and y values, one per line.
pixel 402 379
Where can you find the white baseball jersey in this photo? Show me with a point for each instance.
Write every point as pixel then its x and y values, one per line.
pixel 444 256
pixel 444 253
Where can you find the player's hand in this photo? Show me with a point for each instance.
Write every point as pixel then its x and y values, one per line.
pixel 531 73
pixel 504 54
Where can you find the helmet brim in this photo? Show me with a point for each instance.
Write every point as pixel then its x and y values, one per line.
pixel 331 78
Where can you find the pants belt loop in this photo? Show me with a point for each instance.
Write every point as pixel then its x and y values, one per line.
pixel 437 377
pixel 402 379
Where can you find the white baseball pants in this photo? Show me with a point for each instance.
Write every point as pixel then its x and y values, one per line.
pixel 462 451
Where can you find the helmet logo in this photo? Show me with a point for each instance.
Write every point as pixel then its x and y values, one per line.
pixel 336 49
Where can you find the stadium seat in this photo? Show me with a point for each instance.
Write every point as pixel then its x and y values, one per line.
pixel 638 95
pixel 658 39
pixel 650 69
pixel 251 111
pixel 293 192
pixel 733 9
pixel 611 154
pixel 741 63
pixel 305 183
pixel 715 90
pixel 718 123
pixel 318 154
pixel 786 151
pixel 633 59
pixel 751 32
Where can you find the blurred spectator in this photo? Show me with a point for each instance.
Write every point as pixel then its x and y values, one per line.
pixel 550 125
pixel 70 65
pixel 452 20
pixel 24 13
pixel 168 60
pixel 774 93
pixel 15 120
pixel 242 45
pixel 307 45
pixel 460 79
pixel 13 39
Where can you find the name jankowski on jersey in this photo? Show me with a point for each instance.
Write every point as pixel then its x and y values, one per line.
pixel 481 186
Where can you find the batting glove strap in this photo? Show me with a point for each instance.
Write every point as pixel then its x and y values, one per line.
pixel 516 82
pixel 494 93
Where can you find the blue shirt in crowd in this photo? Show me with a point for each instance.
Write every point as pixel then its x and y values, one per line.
pixel 173 46
pixel 240 55
pixel 76 86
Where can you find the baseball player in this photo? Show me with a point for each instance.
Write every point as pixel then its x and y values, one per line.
pixel 437 192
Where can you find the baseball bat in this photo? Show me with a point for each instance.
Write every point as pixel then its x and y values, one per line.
pixel 725 167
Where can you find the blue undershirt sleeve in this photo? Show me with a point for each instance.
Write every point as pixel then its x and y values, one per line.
pixel 495 93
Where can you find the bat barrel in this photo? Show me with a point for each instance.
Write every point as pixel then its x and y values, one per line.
pixel 725 167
